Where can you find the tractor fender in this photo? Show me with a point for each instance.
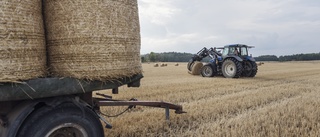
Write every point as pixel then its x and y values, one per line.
pixel 233 56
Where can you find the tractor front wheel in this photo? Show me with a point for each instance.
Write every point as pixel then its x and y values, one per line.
pixel 231 68
pixel 207 71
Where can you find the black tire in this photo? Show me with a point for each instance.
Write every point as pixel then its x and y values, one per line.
pixel 232 68
pixel 64 120
pixel 247 69
pixel 254 69
pixel 208 71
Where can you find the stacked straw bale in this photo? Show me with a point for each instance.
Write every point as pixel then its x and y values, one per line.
pixel 22 41
pixel 90 39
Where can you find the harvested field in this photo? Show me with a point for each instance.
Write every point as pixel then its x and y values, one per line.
pixel 282 100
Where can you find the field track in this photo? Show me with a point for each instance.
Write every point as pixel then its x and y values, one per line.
pixel 282 100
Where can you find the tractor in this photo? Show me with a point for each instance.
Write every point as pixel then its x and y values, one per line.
pixel 233 62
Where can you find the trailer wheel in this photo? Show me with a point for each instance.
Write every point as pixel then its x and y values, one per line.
pixel 67 120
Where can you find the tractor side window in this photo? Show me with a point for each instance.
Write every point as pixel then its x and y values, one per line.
pixel 234 50
pixel 225 51
pixel 244 51
pixel 231 50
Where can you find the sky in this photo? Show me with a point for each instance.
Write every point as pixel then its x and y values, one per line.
pixel 274 27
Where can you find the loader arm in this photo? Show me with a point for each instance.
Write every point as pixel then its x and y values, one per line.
pixel 203 53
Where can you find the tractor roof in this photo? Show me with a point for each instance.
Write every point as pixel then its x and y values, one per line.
pixel 235 45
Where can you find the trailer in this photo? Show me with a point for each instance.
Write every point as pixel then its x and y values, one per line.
pixel 51 106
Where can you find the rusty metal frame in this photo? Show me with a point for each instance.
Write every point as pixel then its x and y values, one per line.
pixel 108 101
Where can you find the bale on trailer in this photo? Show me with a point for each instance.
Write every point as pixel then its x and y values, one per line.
pixel 96 40
pixel 22 41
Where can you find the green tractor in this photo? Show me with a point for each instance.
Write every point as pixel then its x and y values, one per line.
pixel 233 62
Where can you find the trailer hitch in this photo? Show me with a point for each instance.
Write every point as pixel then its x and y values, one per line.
pixel 108 101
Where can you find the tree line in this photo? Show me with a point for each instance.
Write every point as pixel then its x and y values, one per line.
pixel 295 57
pixel 185 57
pixel 166 57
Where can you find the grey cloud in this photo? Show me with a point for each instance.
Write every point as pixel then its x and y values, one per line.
pixel 274 27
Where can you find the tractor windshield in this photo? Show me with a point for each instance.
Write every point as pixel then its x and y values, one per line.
pixel 244 51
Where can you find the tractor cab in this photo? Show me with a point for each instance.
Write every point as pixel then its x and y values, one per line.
pixel 235 49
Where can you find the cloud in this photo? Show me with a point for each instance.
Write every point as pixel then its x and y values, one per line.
pixel 274 27
pixel 158 12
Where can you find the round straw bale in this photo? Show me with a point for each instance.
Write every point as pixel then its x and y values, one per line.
pixel 165 64
pixel 177 64
pixel 22 40
pixel 156 65
pixel 162 65
pixel 196 68
pixel 90 39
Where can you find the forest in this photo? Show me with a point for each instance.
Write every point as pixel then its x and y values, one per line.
pixel 185 57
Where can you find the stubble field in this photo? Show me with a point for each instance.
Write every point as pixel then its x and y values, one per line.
pixel 282 100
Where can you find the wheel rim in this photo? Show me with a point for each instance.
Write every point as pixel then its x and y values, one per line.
pixel 207 71
pixel 230 69
pixel 67 130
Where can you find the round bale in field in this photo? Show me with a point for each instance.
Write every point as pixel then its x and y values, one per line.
pixel 156 65
pixel 259 63
pixel 196 68
pixel 22 40
pixel 177 64
pixel 95 40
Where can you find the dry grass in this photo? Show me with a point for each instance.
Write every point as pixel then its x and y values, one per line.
pixel 282 100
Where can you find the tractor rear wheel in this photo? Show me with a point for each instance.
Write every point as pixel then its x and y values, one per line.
pixel 249 69
pixel 207 71
pixel 231 68
pixel 254 69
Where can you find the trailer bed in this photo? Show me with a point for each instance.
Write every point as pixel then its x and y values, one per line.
pixel 50 87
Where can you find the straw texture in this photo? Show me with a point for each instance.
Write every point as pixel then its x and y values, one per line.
pixel 196 68
pixel 22 42
pixel 90 39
